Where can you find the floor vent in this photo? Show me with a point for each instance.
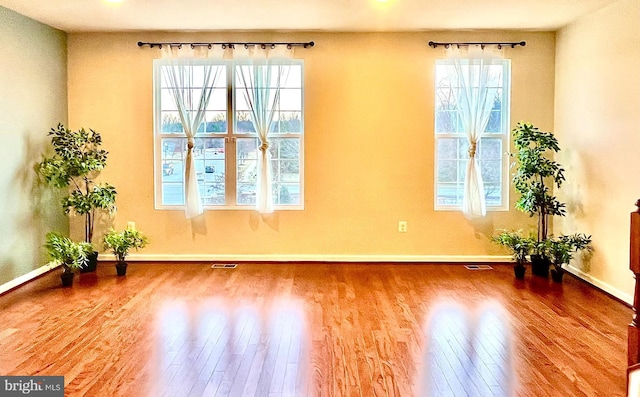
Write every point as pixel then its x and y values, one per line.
pixel 478 267
pixel 224 265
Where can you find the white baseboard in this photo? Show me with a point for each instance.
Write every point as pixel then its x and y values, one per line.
pixel 25 278
pixel 623 296
pixel 323 258
pixel 314 258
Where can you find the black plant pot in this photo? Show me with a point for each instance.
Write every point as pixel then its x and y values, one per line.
pixel 121 268
pixel 67 279
pixel 557 274
pixel 519 270
pixel 540 265
pixel 92 265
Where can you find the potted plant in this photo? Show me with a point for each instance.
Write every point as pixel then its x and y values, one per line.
pixel 561 250
pixel 536 175
pixel 76 161
pixel 520 247
pixel 67 253
pixel 121 242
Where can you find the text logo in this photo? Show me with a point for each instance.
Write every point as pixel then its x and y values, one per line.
pixel 35 386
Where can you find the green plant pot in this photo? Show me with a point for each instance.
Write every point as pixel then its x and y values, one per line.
pixel 121 268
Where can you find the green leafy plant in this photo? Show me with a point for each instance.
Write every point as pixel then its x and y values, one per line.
pixel 121 242
pixel 561 250
pixel 536 175
pixel 66 252
pixel 519 245
pixel 76 160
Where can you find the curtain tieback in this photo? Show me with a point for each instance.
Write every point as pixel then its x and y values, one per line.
pixel 264 146
pixel 472 149
pixel 190 143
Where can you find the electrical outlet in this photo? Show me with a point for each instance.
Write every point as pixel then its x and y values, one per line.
pixel 131 225
pixel 402 226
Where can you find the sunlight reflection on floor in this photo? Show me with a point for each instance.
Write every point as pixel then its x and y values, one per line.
pixel 468 352
pixel 217 347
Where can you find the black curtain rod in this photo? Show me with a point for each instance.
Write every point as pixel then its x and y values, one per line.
pixel 500 45
pixel 226 44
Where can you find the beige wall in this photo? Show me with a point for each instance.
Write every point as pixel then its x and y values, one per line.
pixel 33 98
pixel 597 119
pixel 368 145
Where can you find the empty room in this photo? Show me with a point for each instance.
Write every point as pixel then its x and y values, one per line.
pixel 319 198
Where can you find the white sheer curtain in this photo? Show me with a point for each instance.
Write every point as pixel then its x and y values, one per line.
pixel 473 80
pixel 261 74
pixel 191 90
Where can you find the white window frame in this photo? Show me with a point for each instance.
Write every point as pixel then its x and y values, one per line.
pixel 504 136
pixel 230 137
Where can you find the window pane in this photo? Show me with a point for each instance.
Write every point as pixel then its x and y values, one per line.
pixel 172 148
pixel 242 104
pixel 447 170
pixel 451 143
pixel 216 134
pixel 247 170
pixel 172 194
pixel 446 121
pixel 289 148
pixel 492 193
pixel 215 122
pixel 246 194
pixel 290 99
pixel 214 172
pixel 171 123
pixel 447 148
pixel 495 122
pixel 491 171
pixel 244 123
pixel 218 100
pixel 286 193
pixel 490 149
pixel 293 76
pixel 449 194
pixel 286 122
pixel 166 101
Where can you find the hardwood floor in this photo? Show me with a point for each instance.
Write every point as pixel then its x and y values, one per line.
pixel 316 330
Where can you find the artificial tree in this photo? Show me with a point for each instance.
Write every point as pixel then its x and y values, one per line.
pixel 537 174
pixel 76 161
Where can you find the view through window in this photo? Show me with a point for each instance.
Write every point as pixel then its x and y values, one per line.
pixel 226 143
pixel 452 143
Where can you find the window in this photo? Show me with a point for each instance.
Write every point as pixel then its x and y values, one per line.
pixel 451 143
pixel 226 143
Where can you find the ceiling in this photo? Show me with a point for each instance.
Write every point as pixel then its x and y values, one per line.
pixel 303 15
